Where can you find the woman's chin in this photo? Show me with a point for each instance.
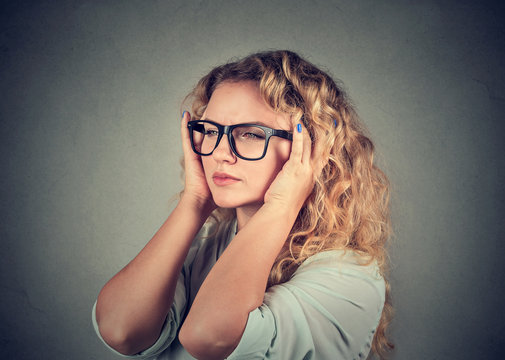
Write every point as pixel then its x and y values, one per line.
pixel 234 203
pixel 226 204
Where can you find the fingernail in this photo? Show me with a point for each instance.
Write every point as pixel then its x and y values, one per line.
pixel 183 113
pixel 299 128
pixel 335 122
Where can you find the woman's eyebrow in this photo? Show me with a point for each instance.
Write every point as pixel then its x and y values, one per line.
pixel 257 123
pixel 242 123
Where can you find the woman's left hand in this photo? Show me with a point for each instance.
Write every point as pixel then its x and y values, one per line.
pixel 295 181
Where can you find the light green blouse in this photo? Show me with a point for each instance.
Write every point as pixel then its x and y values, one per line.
pixel 329 309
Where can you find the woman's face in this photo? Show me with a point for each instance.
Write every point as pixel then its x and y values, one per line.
pixel 234 182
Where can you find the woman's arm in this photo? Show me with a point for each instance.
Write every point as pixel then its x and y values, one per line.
pixel 234 287
pixel 132 306
pixel 237 282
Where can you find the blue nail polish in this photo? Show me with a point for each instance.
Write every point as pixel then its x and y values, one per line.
pixel 183 113
pixel 335 122
pixel 299 128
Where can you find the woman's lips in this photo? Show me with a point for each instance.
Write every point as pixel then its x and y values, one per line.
pixel 223 179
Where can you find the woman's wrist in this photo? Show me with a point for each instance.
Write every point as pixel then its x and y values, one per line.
pixel 276 210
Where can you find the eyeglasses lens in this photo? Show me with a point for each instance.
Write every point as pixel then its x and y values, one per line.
pixel 248 141
pixel 205 137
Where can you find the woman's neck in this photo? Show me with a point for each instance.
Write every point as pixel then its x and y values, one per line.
pixel 245 213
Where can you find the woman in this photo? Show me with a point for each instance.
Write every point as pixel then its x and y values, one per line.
pixel 276 248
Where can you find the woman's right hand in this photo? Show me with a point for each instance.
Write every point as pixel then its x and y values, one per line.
pixel 196 189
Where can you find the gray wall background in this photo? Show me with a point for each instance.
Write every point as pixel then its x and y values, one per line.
pixel 90 107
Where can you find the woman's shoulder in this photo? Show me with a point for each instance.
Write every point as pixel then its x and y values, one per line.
pixel 343 259
pixel 341 267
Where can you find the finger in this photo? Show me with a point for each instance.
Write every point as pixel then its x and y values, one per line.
pixel 307 146
pixel 186 144
pixel 184 125
pixel 297 146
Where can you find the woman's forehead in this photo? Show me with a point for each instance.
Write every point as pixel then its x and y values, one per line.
pixel 241 102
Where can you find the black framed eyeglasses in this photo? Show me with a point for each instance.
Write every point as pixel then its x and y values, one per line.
pixel 247 141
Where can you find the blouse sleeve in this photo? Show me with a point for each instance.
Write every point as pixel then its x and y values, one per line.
pixel 329 309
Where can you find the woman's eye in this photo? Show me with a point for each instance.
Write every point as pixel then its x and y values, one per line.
pixel 211 132
pixel 251 134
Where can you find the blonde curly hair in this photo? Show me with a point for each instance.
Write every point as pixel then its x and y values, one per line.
pixel 349 205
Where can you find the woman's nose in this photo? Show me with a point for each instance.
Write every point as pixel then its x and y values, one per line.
pixel 223 151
